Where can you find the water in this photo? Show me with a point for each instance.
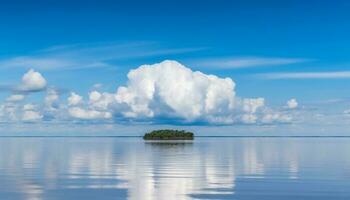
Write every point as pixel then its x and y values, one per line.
pixel 208 168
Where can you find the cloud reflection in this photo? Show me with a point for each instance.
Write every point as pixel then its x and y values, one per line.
pixel 39 168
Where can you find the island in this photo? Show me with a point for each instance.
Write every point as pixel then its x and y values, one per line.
pixel 168 134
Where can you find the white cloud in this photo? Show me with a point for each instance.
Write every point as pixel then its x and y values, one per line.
pixel 8 111
pixel 96 108
pixel 249 118
pixel 74 99
pixel 94 96
pixel 29 106
pixel 171 89
pixel 32 81
pixel 31 115
pixel 245 62
pixel 81 113
pixel 97 86
pixel 100 101
pixel 292 104
pixel 95 55
pixel 162 92
pixel 15 97
pixel 251 105
pixel 276 117
pixel 305 75
pixel 12 111
pixel 51 100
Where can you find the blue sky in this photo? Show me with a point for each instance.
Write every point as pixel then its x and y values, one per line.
pixel 275 50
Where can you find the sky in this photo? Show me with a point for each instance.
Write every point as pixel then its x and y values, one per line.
pixel 216 67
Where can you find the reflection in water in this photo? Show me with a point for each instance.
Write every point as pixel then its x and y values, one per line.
pixel 208 168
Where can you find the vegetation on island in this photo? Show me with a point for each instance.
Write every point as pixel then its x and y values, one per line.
pixel 168 134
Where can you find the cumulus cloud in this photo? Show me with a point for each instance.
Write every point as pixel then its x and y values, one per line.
pixel 15 98
pixel 51 99
pixel 8 112
pixel 29 106
pixel 31 115
pixel 276 117
pixel 292 104
pixel 163 92
pixel 94 96
pixel 250 107
pixel 32 81
pixel 74 99
pixel 249 118
pixel 97 107
pixel 101 101
pixel 81 113
pixel 173 90
pixel 13 111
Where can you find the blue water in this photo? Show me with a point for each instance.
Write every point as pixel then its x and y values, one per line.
pixel 208 168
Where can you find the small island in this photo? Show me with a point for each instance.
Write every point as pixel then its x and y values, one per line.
pixel 168 134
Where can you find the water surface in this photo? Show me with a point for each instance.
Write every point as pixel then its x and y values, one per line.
pixel 209 168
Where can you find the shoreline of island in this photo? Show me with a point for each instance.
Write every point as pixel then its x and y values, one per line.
pixel 168 134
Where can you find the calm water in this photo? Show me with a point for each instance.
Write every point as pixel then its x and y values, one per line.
pixel 208 168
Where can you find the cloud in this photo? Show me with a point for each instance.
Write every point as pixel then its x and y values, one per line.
pixel 29 106
pixel 94 96
pixel 8 112
pixel 30 115
pixel 170 89
pixel 93 55
pixel 292 104
pixel 97 86
pixel 165 92
pixel 51 100
pixel 81 113
pixel 172 93
pixel 249 118
pixel 15 98
pixel 276 117
pixel 15 111
pixel 247 62
pixel 305 75
pixel 100 101
pixel 74 99
pixel 250 107
pixel 97 108
pixel 32 81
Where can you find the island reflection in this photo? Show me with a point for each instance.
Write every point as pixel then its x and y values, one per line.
pixel 128 168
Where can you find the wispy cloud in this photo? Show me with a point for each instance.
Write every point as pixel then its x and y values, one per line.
pixel 247 62
pixel 78 56
pixel 305 75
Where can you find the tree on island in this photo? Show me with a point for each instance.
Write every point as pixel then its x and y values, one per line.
pixel 168 134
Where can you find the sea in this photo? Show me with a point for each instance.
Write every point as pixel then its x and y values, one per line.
pixel 238 168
